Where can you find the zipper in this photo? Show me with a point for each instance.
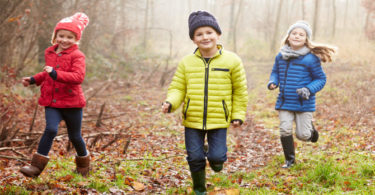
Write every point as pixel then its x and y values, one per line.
pixel 187 106
pixel 286 74
pixel 207 66
pixel 225 110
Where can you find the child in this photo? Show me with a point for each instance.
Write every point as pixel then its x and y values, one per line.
pixel 298 73
pixel 61 93
pixel 212 84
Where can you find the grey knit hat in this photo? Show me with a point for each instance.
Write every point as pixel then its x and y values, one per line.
pixel 301 24
pixel 202 18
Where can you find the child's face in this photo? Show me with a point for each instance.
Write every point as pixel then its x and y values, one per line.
pixel 297 38
pixel 65 39
pixel 205 38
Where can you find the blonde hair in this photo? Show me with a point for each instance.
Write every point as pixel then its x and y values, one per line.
pixel 324 52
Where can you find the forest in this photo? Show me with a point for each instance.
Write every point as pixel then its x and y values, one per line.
pixel 133 48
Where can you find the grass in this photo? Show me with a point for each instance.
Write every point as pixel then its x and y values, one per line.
pixel 334 165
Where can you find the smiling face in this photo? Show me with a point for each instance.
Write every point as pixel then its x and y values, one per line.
pixel 206 38
pixel 65 39
pixel 297 38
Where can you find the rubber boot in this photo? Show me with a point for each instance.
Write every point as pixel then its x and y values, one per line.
pixel 38 163
pixel 83 164
pixel 199 182
pixel 217 167
pixel 288 147
pixel 314 134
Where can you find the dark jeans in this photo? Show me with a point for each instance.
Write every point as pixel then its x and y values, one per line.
pixel 73 120
pixel 217 147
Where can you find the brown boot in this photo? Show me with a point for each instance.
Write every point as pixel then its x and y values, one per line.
pixel 38 162
pixel 83 164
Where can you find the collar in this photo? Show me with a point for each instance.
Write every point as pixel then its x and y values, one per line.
pixel 53 48
pixel 219 52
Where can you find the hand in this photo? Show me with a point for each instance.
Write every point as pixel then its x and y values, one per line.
pixel 236 124
pixel 165 107
pixel 48 69
pixel 26 81
pixel 304 93
pixel 272 86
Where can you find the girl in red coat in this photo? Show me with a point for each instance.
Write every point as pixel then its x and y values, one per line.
pixel 61 93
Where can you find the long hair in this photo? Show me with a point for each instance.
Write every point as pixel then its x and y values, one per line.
pixel 324 52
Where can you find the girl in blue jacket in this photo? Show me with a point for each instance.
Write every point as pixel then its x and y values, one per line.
pixel 298 73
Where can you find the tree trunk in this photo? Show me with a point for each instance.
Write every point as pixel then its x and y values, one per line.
pixel 303 10
pixel 334 18
pixel 316 17
pixel 145 27
pixel 276 28
pixel 239 11
pixel 231 22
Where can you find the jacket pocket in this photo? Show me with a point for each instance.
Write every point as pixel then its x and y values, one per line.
pixel 220 69
pixel 186 109
pixel 225 110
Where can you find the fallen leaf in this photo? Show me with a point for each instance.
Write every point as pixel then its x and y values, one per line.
pixel 138 186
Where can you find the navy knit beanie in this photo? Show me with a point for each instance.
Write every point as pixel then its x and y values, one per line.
pixel 202 18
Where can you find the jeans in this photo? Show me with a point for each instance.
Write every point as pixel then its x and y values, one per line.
pixel 73 120
pixel 217 147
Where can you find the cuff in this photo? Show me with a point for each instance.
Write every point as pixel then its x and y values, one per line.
pixel 53 74
pixel 170 107
pixel 237 120
pixel 268 86
pixel 32 80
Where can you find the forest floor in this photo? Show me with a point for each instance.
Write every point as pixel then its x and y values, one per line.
pixel 136 149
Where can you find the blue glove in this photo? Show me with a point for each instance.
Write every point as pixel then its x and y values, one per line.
pixel 304 93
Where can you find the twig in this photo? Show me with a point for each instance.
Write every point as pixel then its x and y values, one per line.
pixel 98 122
pixel 35 141
pixel 12 148
pixel 127 144
pixel 14 158
pixel 101 88
pixel 158 159
pixel 117 136
pixel 106 118
pixel 19 153
pixel 33 121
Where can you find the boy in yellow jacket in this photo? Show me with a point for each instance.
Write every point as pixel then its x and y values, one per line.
pixel 212 84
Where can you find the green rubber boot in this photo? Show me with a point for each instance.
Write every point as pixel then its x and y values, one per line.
pixel 199 182
pixel 216 167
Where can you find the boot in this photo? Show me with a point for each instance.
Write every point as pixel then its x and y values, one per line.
pixel 217 167
pixel 199 182
pixel 38 163
pixel 83 164
pixel 288 147
pixel 314 134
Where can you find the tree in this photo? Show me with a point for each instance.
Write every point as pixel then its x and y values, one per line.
pixel 316 17
pixel 276 29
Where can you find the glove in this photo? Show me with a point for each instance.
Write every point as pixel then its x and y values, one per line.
pixel 304 93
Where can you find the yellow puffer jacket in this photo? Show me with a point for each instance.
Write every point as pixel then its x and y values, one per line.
pixel 214 93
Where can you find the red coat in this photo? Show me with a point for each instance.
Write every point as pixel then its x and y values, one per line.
pixel 65 91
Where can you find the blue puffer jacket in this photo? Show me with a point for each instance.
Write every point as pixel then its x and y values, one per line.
pixel 290 75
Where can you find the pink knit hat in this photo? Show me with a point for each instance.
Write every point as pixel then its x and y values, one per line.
pixel 75 23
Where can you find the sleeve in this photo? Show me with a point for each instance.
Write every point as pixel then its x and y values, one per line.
pixel 40 77
pixel 177 88
pixel 274 77
pixel 239 94
pixel 77 73
pixel 319 78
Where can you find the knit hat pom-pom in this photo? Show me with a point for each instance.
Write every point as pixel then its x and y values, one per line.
pixel 82 18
